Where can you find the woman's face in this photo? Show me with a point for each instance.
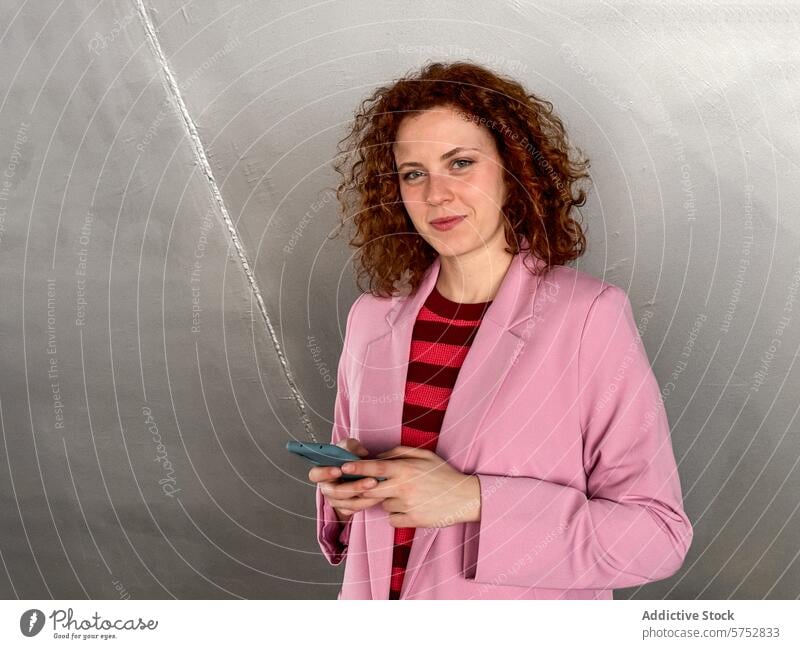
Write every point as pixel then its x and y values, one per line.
pixel 449 166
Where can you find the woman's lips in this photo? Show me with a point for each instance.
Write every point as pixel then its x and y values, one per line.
pixel 447 224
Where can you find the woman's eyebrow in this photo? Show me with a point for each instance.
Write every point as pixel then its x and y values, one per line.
pixel 444 156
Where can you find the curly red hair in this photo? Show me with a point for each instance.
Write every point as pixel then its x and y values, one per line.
pixel 541 178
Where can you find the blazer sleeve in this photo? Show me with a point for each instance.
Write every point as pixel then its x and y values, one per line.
pixel 332 536
pixel 630 527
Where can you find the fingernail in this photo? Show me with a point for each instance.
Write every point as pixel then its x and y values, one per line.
pixel 347 467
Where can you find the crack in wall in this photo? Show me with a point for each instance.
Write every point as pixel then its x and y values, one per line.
pixel 200 153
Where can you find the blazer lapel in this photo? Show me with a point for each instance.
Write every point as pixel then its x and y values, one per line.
pixel 500 338
pixel 385 370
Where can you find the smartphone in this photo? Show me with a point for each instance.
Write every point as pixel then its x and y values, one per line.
pixel 326 455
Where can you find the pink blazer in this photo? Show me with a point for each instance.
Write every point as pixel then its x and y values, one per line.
pixel 558 413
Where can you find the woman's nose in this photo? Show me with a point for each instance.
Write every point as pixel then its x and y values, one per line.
pixel 438 189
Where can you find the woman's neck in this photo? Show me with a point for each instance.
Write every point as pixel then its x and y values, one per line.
pixel 474 277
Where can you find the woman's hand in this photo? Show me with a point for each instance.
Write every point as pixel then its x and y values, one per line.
pixel 346 498
pixel 421 489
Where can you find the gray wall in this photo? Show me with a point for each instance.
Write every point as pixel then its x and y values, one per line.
pixel 172 310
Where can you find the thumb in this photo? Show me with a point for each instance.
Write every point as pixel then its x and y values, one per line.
pixel 355 446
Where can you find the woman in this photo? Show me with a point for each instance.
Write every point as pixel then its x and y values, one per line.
pixel 505 398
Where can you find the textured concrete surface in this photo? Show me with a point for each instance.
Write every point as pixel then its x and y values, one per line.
pixel 173 309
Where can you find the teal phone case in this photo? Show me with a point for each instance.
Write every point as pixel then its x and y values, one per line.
pixel 326 455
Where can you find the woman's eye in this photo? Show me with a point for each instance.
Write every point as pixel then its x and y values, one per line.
pixel 461 163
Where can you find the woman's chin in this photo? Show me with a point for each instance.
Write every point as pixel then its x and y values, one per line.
pixel 450 245
pixel 456 246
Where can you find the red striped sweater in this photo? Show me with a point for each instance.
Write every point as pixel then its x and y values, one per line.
pixel 442 335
